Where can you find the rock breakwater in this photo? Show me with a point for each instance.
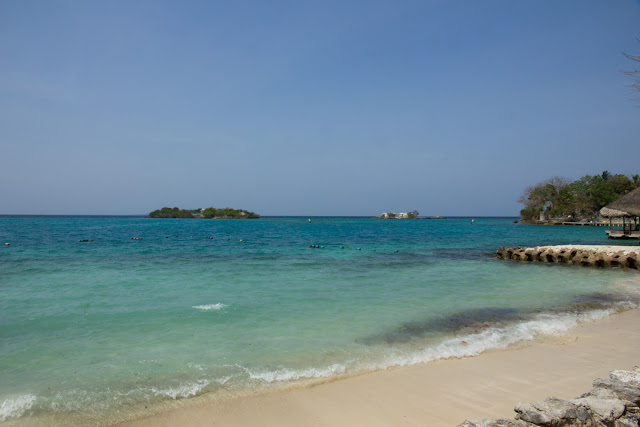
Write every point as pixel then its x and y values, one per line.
pixel 584 255
pixel 613 401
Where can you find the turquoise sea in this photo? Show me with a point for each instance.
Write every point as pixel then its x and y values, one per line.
pixel 100 317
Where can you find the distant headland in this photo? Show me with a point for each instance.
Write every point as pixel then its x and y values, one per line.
pixel 209 213
pixel 559 200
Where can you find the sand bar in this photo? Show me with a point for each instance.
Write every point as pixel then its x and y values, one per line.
pixel 442 393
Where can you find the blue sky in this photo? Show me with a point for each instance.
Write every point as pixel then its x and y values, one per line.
pixel 448 107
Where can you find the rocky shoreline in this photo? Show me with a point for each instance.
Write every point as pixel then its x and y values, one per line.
pixel 584 255
pixel 613 401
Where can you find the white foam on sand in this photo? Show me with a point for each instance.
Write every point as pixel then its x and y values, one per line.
pixel 497 337
pixel 468 345
pixel 16 407
pixel 184 390
pixel 292 374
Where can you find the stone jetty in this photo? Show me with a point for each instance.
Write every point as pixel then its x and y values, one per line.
pixel 585 255
pixel 613 401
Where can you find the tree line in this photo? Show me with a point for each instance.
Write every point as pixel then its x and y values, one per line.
pixel 211 212
pixel 228 213
pixel 580 199
pixel 173 213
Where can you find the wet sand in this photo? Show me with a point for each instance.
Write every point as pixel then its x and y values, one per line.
pixel 442 393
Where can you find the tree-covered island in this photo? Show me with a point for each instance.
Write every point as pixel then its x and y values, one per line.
pixel 211 212
pixel 559 199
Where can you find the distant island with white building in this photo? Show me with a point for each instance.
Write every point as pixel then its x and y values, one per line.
pixel 406 215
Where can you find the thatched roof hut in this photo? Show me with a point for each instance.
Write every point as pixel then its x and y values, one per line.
pixel 626 206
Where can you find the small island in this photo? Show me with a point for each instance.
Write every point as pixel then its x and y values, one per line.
pixel 406 215
pixel 209 213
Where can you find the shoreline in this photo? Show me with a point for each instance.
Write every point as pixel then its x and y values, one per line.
pixel 440 393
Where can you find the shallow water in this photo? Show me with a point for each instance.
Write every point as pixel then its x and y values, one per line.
pixel 96 322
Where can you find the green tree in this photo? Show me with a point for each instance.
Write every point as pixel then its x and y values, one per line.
pixel 167 212
pixel 546 197
pixel 601 192
pixel 209 212
pixel 212 212
pixel 621 184
pixel 579 203
pixel 582 198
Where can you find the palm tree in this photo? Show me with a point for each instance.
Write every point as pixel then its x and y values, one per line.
pixel 606 175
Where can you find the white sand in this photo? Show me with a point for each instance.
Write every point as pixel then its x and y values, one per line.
pixel 442 393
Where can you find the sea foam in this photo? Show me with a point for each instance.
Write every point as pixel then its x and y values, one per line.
pixel 464 345
pixel 291 374
pixel 210 307
pixel 184 390
pixel 16 407
pixel 496 337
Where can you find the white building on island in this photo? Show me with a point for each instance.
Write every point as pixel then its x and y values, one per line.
pixel 401 215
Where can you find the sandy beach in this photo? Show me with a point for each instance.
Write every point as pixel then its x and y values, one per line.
pixel 442 393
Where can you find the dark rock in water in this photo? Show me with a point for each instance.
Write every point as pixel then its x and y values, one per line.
pixel 613 401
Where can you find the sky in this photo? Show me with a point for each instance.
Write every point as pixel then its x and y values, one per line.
pixel 299 107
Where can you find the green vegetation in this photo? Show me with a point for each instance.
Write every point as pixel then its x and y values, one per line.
pixel 173 213
pixel 559 198
pixel 226 213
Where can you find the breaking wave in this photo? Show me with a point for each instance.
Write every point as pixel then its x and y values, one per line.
pixel 184 390
pixel 497 337
pixel 16 407
pixel 500 335
pixel 286 374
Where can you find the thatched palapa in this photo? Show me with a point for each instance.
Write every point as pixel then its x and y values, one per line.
pixel 626 206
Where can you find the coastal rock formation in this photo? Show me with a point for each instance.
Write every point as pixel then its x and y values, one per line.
pixel 585 255
pixel 613 401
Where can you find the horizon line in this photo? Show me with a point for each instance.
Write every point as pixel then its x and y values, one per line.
pixel 261 216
